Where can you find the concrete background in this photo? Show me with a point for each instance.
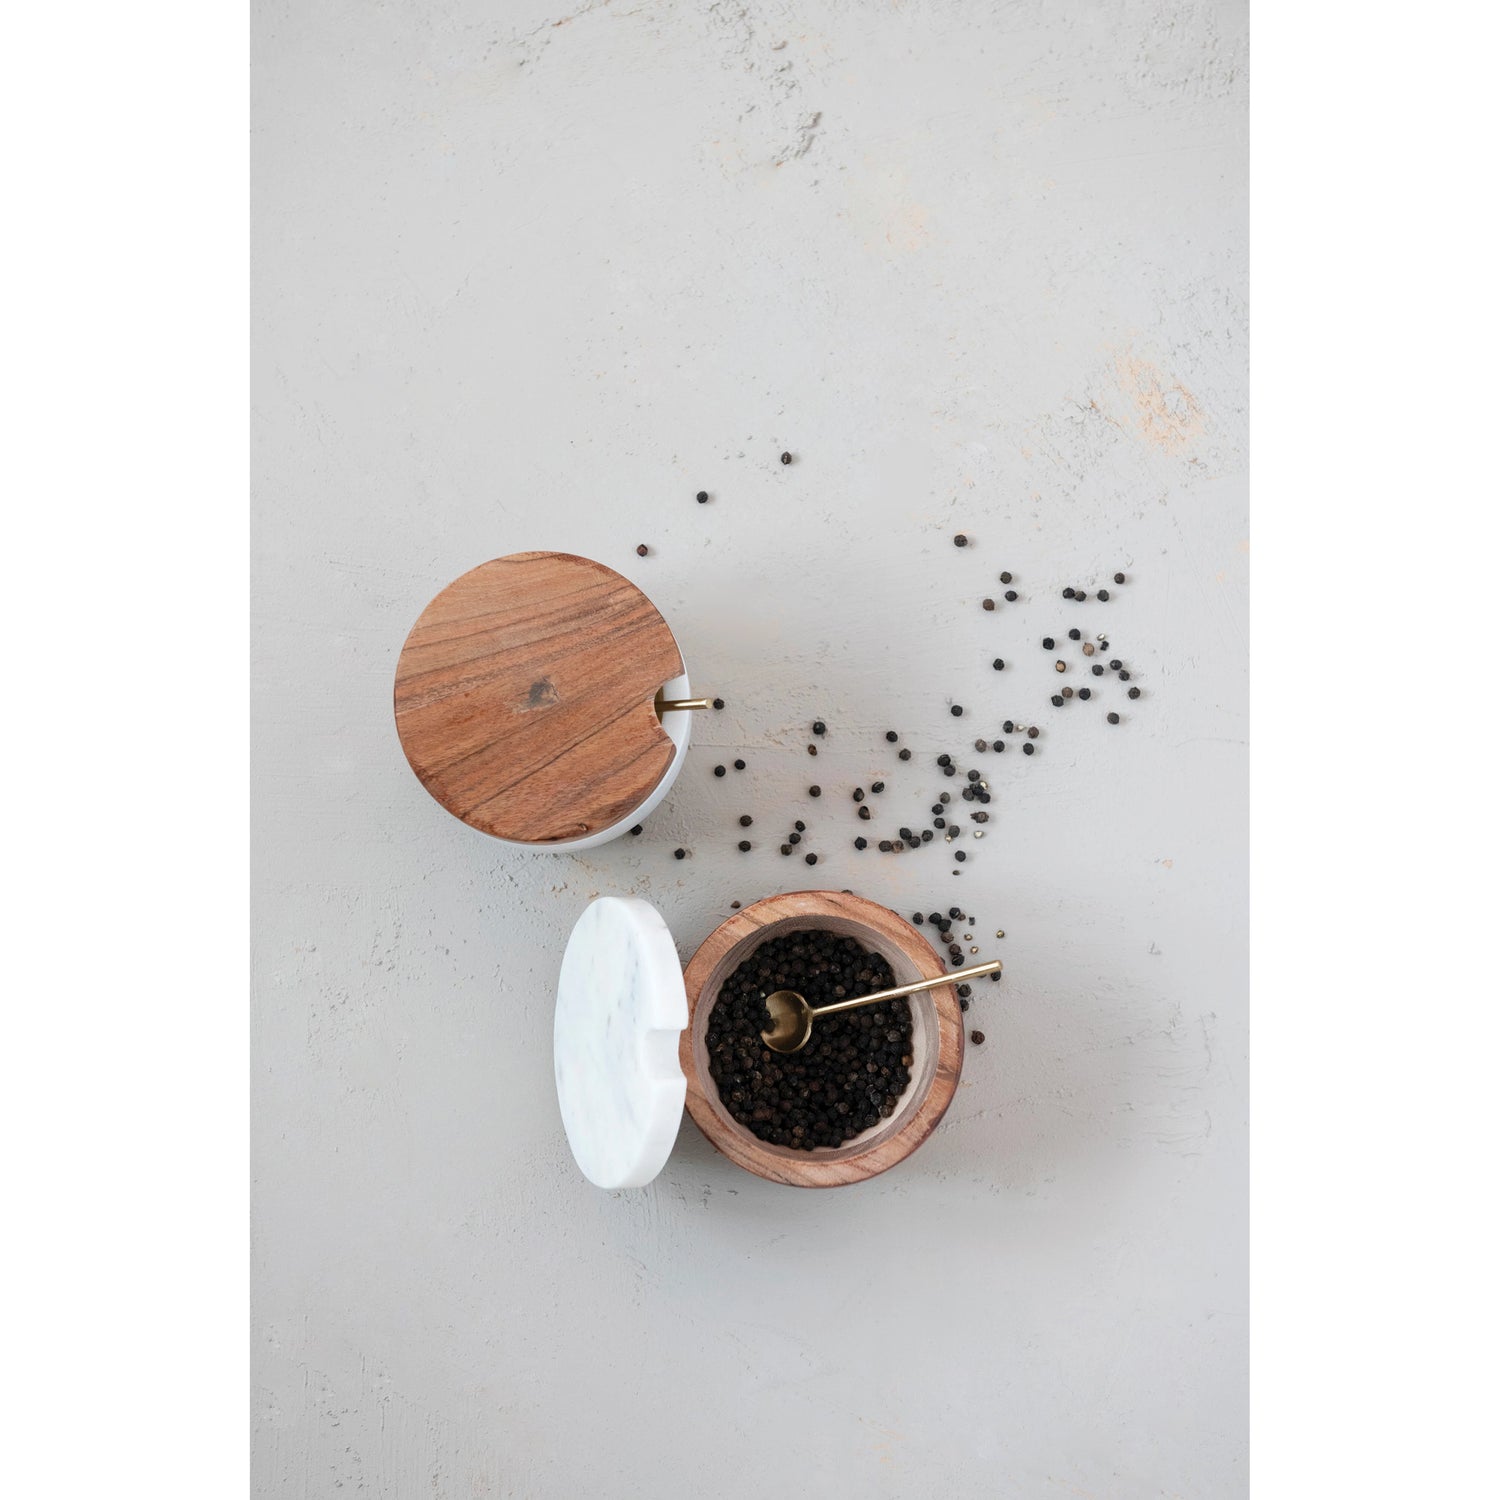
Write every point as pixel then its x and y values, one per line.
pixel 529 278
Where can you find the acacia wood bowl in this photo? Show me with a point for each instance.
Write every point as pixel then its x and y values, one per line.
pixel 937 1037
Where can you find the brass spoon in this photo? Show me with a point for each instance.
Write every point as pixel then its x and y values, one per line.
pixel 792 1017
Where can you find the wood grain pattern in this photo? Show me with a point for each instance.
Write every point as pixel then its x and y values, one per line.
pixel 937 1031
pixel 524 697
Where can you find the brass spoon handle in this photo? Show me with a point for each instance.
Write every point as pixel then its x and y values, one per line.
pixel 671 705
pixel 974 971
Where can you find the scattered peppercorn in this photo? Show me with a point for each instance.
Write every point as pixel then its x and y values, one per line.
pixel 1103 595
pixel 861 843
pixel 960 856
pixel 1116 664
pixel 1057 701
pixel 998 664
pixel 718 703
pixel 702 497
pixel 1119 578
pixel 1133 693
pixel 1032 733
pixel 987 604
pixel 800 826
pixel 957 710
pixel 960 540
pixel 1075 635
pixel 786 848
pixel 877 786
pixel 1085 693
pixel 859 794
pixel 1008 726
pixel 786 458
pixel 812 749
pixel 739 765
pixel 998 747
pixel 634 831
pixel 679 854
pixel 1124 676
pixel 892 736
pixel 1067 593
pixel 1028 748
pixel 977 1037
pixel 794 838
pixel 642 550
pixel 1011 596
pixel 812 859
pixel 1048 643
pixel 903 755
pixel 1097 670
pixel 815 791
pixel 718 770
pixel 746 820
pixel 1113 718
pixel 1067 692
pixel 864 815
pixel 1005 578
pixel 744 846
pixel 1088 648
pixel 981 745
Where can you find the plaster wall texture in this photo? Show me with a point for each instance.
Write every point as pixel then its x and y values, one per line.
pixel 530 277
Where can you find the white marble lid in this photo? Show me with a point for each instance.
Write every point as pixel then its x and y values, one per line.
pixel 621 1008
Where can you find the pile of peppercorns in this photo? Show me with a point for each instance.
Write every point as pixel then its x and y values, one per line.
pixel 855 1066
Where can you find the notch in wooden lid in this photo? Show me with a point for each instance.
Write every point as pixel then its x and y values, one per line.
pixel 525 697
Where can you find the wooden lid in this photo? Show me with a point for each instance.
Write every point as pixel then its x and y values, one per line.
pixel 525 697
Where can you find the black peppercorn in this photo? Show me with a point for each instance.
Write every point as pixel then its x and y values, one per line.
pixel 917 919
pixel 1075 635
pixel 1124 676
pixel 679 854
pixel 998 747
pixel 960 540
pixel 702 497
pixel 746 820
pixel 1048 643
pixel 739 765
pixel 950 770
pixel 859 794
pixel 987 604
pixel 642 550
pixel 884 846
pixel 1057 701
pixel 957 710
pixel 1085 693
pixel 718 770
pixel 1097 670
pixel 998 664
pixel 744 846
pixel 960 856
pixel 977 1037
pixel 812 859
pixel 819 727
pixel 812 749
pixel 903 755
pixel 1008 727
pixel 1119 578
pixel 972 775
pixel 1032 733
pixel 718 703
pixel 1103 595
pixel 1005 578
pixel 861 843
pixel 1113 718
pixel 1116 664
pixel 1067 593
pixel 981 745
pixel 963 1004
pixel 877 786
pixel 794 838
pixel 800 826
pixel 634 831
pixel 1133 693
pixel 815 791
pixel 891 736
pixel 786 458
pixel 1011 596
pixel 864 814
pixel 786 848
pixel 1028 748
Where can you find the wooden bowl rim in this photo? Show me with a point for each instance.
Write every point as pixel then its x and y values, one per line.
pixel 810 1170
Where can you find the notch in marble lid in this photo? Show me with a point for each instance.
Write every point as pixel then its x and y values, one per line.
pixel 621 1007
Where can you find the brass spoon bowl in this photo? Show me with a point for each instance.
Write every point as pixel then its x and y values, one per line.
pixel 792 1017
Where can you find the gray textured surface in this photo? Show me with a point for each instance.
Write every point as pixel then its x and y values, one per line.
pixel 526 279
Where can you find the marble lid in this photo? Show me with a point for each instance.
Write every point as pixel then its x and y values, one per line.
pixel 621 1008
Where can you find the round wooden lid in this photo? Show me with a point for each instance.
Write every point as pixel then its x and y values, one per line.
pixel 525 697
